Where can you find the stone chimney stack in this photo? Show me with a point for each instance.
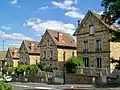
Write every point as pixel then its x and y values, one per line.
pixel 79 22
pixel 32 46
pixel 15 53
pixel 60 37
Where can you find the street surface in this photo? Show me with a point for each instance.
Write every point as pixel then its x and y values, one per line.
pixel 41 86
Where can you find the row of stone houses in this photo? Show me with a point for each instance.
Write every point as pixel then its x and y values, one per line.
pixel 54 48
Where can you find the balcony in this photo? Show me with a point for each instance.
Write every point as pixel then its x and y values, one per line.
pixel 85 50
pixel 98 49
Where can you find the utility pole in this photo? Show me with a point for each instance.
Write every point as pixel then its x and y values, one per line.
pixel 3 44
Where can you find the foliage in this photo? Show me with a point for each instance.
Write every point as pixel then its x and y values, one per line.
pixel 7 70
pixel 112 15
pixel 33 69
pixel 73 64
pixel 4 86
pixel 117 66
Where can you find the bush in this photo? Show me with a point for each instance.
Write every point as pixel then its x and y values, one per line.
pixel 4 86
pixel 73 64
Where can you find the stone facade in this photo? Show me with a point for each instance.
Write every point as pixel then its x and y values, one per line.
pixel 12 57
pixel 30 56
pixel 101 33
pixel 51 54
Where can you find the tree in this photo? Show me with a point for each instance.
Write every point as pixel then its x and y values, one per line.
pixel 73 64
pixel 112 15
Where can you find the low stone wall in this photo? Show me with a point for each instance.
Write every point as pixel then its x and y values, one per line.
pixel 80 79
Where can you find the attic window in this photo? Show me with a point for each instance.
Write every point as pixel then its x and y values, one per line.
pixel 91 29
pixel 48 43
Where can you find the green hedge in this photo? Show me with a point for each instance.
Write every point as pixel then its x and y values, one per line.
pixel 4 86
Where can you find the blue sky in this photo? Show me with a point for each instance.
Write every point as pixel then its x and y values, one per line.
pixel 28 19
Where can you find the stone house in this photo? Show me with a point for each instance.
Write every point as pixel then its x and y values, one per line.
pixel 2 58
pixel 29 52
pixel 93 45
pixel 56 47
pixel 12 57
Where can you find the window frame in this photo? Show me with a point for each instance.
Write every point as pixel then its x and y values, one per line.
pixel 93 29
pixel 86 61
pixel 85 47
pixel 99 62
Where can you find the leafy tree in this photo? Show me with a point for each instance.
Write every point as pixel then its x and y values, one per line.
pixel 73 64
pixel 112 15
pixel 33 69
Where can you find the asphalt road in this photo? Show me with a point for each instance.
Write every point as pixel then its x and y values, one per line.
pixel 33 86
pixel 41 86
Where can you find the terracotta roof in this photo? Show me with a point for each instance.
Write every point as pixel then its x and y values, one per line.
pixel 2 55
pixel 12 51
pixel 36 49
pixel 111 27
pixel 67 39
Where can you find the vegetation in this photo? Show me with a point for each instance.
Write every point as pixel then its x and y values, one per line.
pixel 4 86
pixel 72 65
pixel 112 15
pixel 117 66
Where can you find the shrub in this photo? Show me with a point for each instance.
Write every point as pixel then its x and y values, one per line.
pixel 4 86
pixel 73 64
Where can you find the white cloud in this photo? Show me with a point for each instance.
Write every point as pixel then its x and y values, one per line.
pixel 18 6
pixel 14 36
pixel 66 4
pixel 13 1
pixel 74 14
pixel 100 12
pixel 40 26
pixel 43 8
pixel 5 27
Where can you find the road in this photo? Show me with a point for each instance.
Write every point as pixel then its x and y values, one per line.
pixel 41 86
pixel 33 86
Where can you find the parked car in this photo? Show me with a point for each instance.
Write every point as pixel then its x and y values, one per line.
pixel 7 78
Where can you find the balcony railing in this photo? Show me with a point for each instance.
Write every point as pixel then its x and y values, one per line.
pixel 98 49
pixel 85 50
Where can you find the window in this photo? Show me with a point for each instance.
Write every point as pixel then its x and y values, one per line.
pixel 51 54
pixel 86 61
pixel 73 54
pixel 44 55
pixel 99 63
pixel 85 46
pixel 98 45
pixel 91 29
pixel 48 43
pixel 64 54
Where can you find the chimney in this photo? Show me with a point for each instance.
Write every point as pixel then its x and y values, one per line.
pixel 60 37
pixel 32 46
pixel 78 22
pixel 15 53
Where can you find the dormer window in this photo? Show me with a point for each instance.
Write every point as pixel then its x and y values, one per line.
pixel 91 29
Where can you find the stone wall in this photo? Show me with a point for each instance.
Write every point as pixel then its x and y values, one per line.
pixel 34 59
pixel 79 79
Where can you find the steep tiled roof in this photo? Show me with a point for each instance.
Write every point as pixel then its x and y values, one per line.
pixel 67 39
pixel 36 49
pixel 2 55
pixel 111 27
pixel 12 50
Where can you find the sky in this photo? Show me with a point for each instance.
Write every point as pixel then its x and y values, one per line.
pixel 28 19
